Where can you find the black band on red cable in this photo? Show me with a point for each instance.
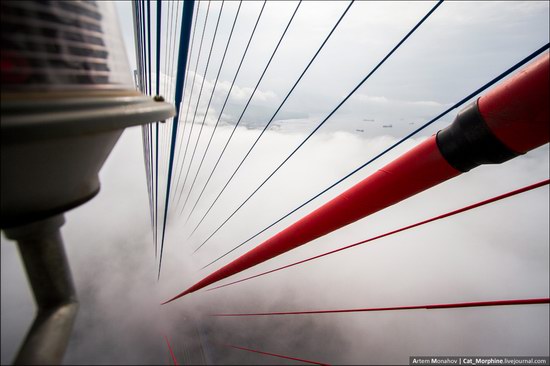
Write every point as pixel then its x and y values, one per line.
pixel 468 142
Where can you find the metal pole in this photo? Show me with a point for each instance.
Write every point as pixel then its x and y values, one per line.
pixel 41 248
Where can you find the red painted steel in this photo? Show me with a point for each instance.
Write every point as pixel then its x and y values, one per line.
pixel 544 300
pixel 417 170
pixel 171 351
pixel 275 355
pixel 517 111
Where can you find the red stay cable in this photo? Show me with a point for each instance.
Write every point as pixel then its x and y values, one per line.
pixel 275 355
pixel 420 223
pixel 544 300
pixel 171 351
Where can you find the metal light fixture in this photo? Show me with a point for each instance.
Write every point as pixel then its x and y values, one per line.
pixel 67 94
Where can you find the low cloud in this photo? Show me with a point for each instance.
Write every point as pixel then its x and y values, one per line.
pixel 495 252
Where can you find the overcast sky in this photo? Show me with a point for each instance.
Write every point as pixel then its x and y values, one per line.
pixel 495 252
